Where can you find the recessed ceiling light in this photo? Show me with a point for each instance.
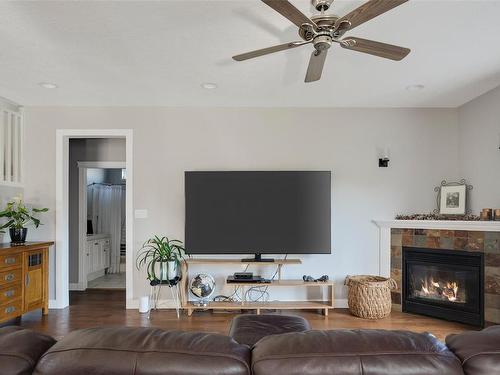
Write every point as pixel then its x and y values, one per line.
pixel 209 85
pixel 415 87
pixel 48 85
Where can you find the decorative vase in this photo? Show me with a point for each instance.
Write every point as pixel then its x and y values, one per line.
pixel 18 235
pixel 168 270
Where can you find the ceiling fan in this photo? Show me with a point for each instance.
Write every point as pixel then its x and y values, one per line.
pixel 323 30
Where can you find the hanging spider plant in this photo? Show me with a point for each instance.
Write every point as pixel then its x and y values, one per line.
pixel 161 253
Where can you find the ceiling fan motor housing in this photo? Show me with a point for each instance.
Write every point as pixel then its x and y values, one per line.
pixel 322 5
pixel 322 42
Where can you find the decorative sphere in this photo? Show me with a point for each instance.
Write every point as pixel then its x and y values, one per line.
pixel 202 285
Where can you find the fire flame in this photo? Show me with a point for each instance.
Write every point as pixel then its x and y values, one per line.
pixel 443 290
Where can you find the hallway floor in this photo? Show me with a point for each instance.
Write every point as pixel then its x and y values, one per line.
pixel 109 281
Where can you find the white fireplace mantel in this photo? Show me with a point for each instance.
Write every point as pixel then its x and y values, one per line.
pixel 483 226
pixel 385 227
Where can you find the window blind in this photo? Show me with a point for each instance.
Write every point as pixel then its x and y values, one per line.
pixel 11 135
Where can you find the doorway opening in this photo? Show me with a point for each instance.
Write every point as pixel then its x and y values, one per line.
pixel 97 208
pixel 73 222
pixel 103 225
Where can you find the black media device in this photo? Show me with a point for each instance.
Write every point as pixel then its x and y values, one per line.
pixel 252 280
pixel 261 212
pixel 243 275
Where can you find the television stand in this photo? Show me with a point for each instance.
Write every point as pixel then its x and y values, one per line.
pixel 190 306
pixel 257 258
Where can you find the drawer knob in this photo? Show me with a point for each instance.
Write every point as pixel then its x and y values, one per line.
pixel 9 277
pixel 9 293
pixel 10 309
pixel 10 260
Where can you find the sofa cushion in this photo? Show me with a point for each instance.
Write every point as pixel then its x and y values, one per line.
pixel 248 329
pixel 353 352
pixel 144 351
pixel 479 351
pixel 20 349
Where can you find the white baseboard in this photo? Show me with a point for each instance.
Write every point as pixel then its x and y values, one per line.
pixel 341 304
pixel 53 304
pixel 95 275
pixel 76 287
pixel 169 304
pixel 162 304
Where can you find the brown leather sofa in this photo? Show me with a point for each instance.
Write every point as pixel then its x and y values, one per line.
pixel 260 345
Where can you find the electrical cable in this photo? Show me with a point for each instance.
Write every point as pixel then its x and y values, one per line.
pixel 263 290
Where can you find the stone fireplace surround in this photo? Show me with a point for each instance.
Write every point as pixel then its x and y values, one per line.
pixel 481 237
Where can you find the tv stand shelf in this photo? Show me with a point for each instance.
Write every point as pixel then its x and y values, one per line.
pixel 187 305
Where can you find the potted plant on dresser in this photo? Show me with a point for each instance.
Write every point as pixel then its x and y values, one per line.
pixel 161 254
pixel 18 216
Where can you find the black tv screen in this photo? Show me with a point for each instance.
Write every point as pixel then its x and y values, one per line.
pixel 285 212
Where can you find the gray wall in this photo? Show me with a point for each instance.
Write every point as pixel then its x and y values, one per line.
pixel 112 149
pixel 479 136
pixel 168 141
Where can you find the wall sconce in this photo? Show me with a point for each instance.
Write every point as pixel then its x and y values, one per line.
pixel 383 160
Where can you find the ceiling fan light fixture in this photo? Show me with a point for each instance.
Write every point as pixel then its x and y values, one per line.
pixel 209 85
pixel 48 85
pixel 415 87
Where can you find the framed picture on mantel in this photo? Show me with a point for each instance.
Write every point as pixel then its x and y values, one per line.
pixel 453 199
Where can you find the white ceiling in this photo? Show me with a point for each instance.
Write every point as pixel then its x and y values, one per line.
pixel 158 53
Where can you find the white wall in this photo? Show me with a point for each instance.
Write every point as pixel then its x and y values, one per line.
pixel 423 146
pixel 479 142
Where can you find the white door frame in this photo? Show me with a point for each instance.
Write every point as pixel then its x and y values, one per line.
pixel 83 166
pixel 61 298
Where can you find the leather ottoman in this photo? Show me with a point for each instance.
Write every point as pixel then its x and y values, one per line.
pixel 353 352
pixel 248 329
pixel 144 351
pixel 20 350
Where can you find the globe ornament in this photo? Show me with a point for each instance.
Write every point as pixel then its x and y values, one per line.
pixel 202 286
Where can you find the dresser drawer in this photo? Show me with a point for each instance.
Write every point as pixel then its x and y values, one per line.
pixel 11 309
pixel 11 277
pixel 10 261
pixel 10 293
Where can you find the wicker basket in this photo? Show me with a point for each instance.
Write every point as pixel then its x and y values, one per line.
pixel 370 296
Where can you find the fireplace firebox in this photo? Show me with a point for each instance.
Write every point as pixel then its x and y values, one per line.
pixel 444 284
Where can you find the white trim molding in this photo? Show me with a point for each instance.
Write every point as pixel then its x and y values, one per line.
pixel 385 227
pixel 77 286
pixel 102 164
pixel 170 304
pixel 61 298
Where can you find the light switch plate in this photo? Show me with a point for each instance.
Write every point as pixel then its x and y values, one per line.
pixel 141 214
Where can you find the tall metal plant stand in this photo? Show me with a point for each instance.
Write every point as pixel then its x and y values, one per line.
pixel 155 290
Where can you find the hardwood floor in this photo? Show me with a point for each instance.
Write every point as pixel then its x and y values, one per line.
pixel 107 308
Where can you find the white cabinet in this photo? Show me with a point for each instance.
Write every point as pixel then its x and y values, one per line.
pixel 98 255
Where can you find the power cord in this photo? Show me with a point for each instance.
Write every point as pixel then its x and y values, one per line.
pixel 262 291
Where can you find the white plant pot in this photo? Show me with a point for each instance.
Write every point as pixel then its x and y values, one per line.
pixel 168 270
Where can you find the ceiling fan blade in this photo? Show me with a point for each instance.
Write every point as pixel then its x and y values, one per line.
pixel 268 50
pixel 287 10
pixel 316 64
pixel 371 47
pixel 366 12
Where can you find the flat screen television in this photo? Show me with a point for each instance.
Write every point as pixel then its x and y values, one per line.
pixel 264 212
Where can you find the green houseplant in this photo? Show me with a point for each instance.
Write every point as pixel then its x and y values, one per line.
pixel 18 216
pixel 161 253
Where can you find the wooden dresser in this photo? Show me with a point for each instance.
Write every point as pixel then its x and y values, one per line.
pixel 24 275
